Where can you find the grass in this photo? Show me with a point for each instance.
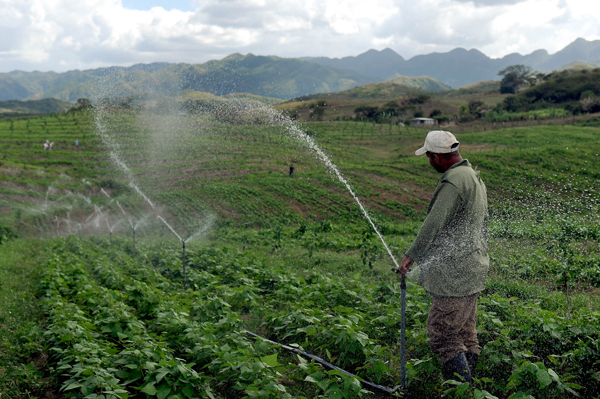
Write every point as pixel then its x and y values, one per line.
pixel 23 356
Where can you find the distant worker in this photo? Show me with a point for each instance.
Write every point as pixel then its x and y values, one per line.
pixel 47 145
pixel 291 170
pixel 76 143
pixel 451 255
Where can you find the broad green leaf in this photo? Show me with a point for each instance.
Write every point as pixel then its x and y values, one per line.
pixel 311 379
pixel 73 386
pixel 335 392
pixel 270 360
pixel 161 375
pixel 554 375
pixel 163 391
pixel 149 389
pixel 488 395
pixel 188 391
pixel 66 338
pixel 462 388
pixel 497 322
pixel 543 378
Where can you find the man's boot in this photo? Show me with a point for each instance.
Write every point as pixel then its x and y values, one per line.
pixel 458 365
pixel 472 362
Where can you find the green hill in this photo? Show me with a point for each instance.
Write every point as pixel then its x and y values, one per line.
pixel 390 89
pixel 419 82
pixel 33 107
pixel 485 86
pixel 271 76
pixel 563 88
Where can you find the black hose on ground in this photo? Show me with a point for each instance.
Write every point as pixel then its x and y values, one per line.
pixel 324 363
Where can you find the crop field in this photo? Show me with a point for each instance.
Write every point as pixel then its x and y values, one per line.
pixel 291 259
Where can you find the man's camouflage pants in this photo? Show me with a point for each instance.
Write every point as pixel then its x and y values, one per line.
pixel 451 326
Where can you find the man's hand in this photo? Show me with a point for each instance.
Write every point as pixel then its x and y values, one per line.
pixel 405 265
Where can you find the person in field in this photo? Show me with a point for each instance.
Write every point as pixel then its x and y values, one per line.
pixel 451 255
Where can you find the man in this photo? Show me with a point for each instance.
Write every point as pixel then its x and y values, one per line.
pixel 451 253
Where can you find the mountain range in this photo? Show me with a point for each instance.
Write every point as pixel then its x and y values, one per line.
pixel 461 67
pixel 286 78
pixel 260 75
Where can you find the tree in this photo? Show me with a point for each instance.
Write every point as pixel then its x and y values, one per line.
pixel 476 108
pixel 83 103
pixel 366 111
pixel 318 113
pixel 516 77
pixel 589 101
pixel 435 112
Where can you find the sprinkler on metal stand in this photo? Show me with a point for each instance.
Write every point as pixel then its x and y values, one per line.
pixel 183 261
pixel 134 249
pixel 402 391
pixel 182 242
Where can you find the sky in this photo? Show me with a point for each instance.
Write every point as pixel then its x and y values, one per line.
pixel 61 35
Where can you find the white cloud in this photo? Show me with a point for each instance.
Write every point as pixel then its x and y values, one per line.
pixel 66 34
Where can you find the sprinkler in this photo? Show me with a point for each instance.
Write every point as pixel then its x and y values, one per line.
pixel 134 249
pixel 57 225
pixel 403 390
pixel 182 247
pixel 183 261
pixel 110 229
pixel 130 224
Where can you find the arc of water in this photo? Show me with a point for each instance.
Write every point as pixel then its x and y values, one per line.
pixel 125 214
pixel 170 228
pixel 203 229
pixel 89 217
pixel 293 128
pixel 140 192
pixel 114 149
pixel 105 219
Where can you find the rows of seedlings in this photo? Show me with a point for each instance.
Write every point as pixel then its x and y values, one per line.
pixel 121 327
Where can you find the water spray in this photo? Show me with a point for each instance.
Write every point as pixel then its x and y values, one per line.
pixel 169 226
pixel 89 217
pixel 128 218
pixel 292 128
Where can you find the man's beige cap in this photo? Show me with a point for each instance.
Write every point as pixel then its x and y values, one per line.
pixel 438 142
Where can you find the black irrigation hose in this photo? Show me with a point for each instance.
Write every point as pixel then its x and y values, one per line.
pixel 324 363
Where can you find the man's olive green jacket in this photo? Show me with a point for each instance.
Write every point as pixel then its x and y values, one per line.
pixel 451 247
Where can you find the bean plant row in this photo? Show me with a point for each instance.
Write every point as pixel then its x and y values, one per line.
pixel 122 327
